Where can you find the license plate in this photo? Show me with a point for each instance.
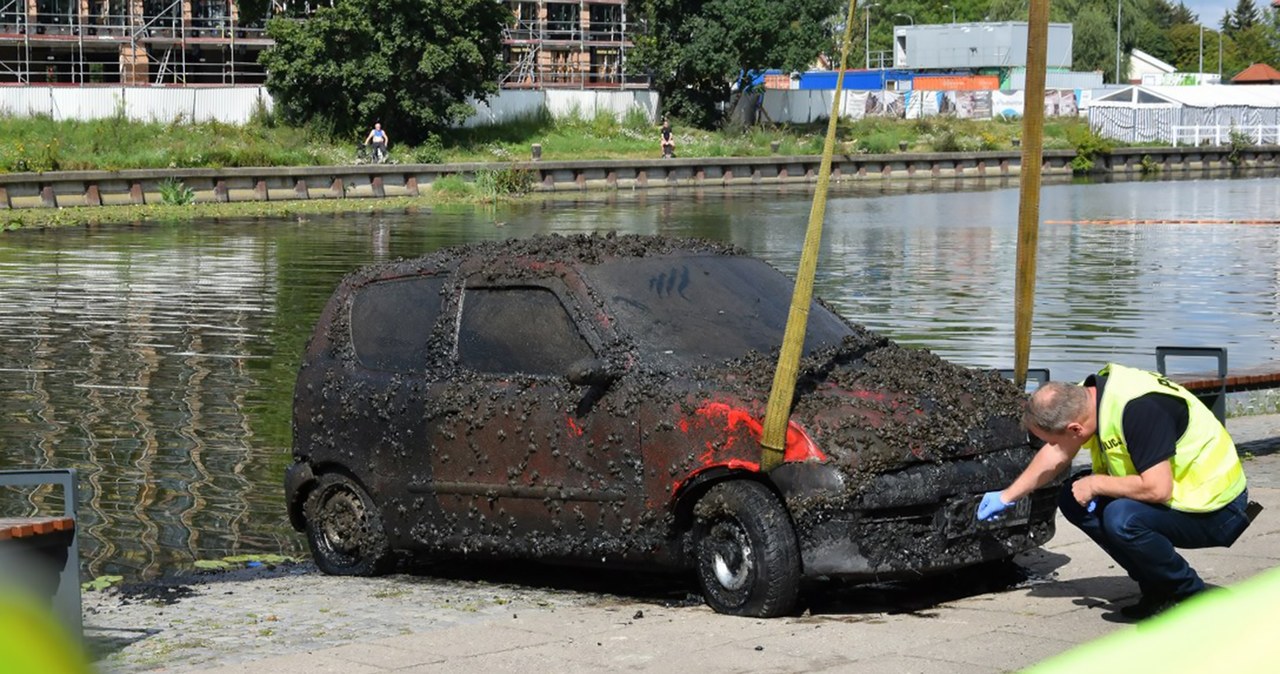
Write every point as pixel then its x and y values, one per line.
pixel 1018 513
pixel 962 517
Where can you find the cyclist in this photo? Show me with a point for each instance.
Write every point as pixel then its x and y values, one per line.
pixel 378 140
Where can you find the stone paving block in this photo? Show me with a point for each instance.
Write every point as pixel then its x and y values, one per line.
pixel 308 663
pixel 550 658
pixel 1001 651
pixel 900 664
pixel 379 655
pixel 1084 624
pixel 467 640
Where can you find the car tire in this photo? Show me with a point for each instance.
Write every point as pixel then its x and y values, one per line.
pixel 745 551
pixel 344 529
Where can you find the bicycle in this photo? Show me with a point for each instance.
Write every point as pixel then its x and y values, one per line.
pixel 371 153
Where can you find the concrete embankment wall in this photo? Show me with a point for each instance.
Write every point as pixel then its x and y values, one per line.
pixel 102 188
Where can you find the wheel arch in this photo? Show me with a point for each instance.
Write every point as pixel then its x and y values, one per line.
pixel 699 484
pixel 302 478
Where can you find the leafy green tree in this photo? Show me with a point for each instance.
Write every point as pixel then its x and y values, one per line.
pixel 695 51
pixel 1094 42
pixel 1185 40
pixel 1248 46
pixel 410 64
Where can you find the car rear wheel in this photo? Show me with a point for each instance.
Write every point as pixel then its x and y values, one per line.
pixel 748 563
pixel 344 529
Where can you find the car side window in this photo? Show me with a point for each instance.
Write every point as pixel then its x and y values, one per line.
pixel 391 322
pixel 518 330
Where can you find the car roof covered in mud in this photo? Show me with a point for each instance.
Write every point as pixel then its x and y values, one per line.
pixel 578 249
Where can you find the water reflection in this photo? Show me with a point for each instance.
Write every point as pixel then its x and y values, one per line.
pixel 159 359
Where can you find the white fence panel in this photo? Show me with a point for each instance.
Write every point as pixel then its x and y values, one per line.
pixel 515 103
pixel 87 103
pixel 800 106
pixel 25 101
pixel 233 105
pixel 159 104
pixel 505 106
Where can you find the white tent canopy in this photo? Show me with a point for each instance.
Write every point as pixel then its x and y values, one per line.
pixel 1182 115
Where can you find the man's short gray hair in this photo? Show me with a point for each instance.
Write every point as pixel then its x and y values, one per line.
pixel 1054 405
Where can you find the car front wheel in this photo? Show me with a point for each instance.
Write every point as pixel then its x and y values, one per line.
pixel 344 529
pixel 748 562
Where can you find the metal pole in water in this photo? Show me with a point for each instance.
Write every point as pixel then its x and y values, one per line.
pixel 778 413
pixel 1029 194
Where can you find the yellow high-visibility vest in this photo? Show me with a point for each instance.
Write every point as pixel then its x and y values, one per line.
pixel 1206 468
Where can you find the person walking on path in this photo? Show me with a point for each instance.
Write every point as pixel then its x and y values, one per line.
pixel 1165 475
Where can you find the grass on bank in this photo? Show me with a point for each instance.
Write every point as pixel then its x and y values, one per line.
pixel 35 144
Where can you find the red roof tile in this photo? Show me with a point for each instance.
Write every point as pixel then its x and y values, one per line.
pixel 1258 72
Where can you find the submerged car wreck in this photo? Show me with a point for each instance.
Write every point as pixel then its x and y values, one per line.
pixel 598 400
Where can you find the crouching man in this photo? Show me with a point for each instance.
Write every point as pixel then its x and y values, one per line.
pixel 1165 475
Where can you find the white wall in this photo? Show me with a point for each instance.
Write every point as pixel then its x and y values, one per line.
pixel 512 103
pixel 233 105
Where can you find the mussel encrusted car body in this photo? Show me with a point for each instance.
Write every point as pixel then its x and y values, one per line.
pixel 598 399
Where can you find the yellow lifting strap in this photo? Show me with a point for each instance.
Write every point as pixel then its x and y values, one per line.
pixel 1029 196
pixel 778 413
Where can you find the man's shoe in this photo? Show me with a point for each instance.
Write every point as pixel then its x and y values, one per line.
pixel 1151 605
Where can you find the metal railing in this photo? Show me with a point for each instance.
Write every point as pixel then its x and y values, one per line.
pixel 1218 134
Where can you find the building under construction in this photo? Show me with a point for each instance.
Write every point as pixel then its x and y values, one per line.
pixel 131 42
pixel 579 44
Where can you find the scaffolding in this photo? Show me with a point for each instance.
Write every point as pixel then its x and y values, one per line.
pixel 576 44
pixel 580 44
pixel 130 42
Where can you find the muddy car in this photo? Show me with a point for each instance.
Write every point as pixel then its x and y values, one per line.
pixel 598 400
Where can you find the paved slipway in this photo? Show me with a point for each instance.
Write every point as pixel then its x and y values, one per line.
pixel 519 618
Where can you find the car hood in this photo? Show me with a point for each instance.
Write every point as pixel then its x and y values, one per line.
pixel 872 405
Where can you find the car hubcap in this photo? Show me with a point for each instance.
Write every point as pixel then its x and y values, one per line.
pixel 343 515
pixel 731 560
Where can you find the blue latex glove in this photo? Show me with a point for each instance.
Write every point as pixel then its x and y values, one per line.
pixel 991 506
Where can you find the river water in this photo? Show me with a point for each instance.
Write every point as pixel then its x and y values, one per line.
pixel 158 359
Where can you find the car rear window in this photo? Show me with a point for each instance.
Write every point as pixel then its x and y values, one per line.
pixel 391 322
pixel 518 330
pixel 689 310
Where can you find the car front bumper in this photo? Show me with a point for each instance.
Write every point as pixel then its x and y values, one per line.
pixel 914 521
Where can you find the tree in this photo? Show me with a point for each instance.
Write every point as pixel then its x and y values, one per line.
pixel 1186 41
pixel 1243 18
pixel 1248 46
pixel 1182 15
pixel 1094 44
pixel 410 64
pixel 696 51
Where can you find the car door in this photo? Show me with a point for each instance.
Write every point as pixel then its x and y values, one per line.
pixel 394 325
pixel 536 465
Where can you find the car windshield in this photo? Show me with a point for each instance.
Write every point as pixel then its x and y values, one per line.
pixel 698 309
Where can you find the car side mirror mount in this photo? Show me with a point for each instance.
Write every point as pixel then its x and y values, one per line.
pixel 590 372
